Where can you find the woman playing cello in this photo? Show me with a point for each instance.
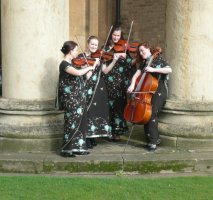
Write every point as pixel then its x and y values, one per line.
pixel 160 69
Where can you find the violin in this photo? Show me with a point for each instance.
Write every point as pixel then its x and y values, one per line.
pixel 106 56
pixel 121 46
pixel 79 62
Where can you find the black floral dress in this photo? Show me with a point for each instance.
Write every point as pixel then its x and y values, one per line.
pixel 98 124
pixel 72 98
pixel 158 99
pixel 117 82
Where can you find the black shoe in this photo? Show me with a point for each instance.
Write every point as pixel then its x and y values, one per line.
pixel 158 141
pixel 115 138
pixel 151 147
pixel 89 144
pixel 147 146
pixel 125 129
pixel 93 141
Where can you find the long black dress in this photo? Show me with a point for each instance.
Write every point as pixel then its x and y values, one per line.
pixel 98 107
pixel 98 124
pixel 117 82
pixel 72 98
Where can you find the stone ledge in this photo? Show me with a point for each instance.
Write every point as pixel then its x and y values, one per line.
pixel 31 124
pixel 178 105
pixel 50 141
pixel 186 126
pixel 146 163
pixel 46 144
pixel 19 104
pixel 31 113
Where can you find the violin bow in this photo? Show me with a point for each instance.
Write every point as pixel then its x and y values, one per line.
pixel 106 40
pixel 130 30
pixel 107 37
pixel 82 51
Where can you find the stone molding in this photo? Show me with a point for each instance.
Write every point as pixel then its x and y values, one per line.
pixel 27 105
pixel 31 113
pixel 177 105
pixel 31 126
pixel 186 124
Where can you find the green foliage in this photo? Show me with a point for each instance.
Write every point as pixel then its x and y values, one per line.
pixel 105 188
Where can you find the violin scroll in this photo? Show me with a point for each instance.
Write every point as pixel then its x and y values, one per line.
pixel 157 51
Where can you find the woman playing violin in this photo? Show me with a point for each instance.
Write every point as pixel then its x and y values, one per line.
pixel 160 69
pixel 97 100
pixel 71 98
pixel 117 80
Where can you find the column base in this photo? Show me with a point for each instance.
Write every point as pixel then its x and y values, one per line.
pixel 30 131
pixel 174 141
pixel 187 129
pixel 11 145
pixel 189 144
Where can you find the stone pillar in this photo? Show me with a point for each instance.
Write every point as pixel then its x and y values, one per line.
pixel 102 17
pixel 188 116
pixel 78 23
pixel 33 32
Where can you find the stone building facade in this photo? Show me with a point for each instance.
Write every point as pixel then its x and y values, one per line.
pixel 33 31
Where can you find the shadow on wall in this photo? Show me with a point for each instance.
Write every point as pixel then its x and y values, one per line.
pixel 49 81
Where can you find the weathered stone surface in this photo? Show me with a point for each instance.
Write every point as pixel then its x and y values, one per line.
pixel 188 114
pixel 34 45
pixel 110 158
pixel 25 131
pixel 25 105
pixel 185 124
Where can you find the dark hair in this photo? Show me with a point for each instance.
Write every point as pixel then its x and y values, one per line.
pixel 68 46
pixel 115 28
pixel 153 50
pixel 91 37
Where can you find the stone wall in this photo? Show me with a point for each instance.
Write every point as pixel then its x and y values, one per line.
pixel 91 17
pixel 95 17
pixel 149 20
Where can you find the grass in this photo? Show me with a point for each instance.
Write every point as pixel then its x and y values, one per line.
pixel 105 188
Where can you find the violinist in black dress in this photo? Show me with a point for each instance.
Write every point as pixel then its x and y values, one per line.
pixel 98 125
pixel 117 79
pixel 72 100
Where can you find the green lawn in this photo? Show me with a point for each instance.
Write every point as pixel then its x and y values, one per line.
pixel 104 188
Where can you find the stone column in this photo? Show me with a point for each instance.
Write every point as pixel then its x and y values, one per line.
pixel 33 32
pixel 187 120
pixel 102 17
pixel 78 23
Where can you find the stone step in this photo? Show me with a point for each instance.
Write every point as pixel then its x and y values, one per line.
pixel 114 158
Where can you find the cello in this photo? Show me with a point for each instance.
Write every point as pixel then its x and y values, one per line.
pixel 139 109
